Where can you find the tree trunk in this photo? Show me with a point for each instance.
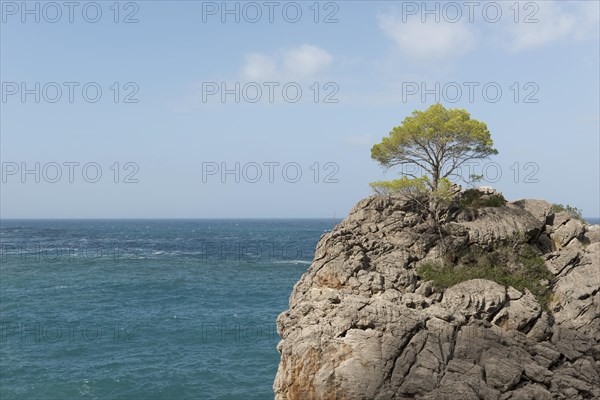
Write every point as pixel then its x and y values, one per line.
pixel 436 178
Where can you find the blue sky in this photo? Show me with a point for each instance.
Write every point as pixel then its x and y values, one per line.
pixel 362 67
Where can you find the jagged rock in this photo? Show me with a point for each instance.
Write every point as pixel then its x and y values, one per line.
pixel 592 234
pixel 496 225
pixel 560 218
pixel 363 325
pixel 486 190
pixel 541 329
pixel 540 209
pixel 529 392
pixel 567 232
pixel 518 314
pixel 476 298
pixel 502 369
pixel 513 294
pixel 577 294
pixel 561 261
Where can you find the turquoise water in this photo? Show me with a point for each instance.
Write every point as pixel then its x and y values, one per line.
pixel 151 309
pixel 146 309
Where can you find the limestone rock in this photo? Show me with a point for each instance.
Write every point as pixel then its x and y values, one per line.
pixel 577 294
pixel 540 209
pixel 362 324
pixel 519 314
pixel 476 298
pixel 494 225
pixel 567 232
pixel 592 234
pixel 487 190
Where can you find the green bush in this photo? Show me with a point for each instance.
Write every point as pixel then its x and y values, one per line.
pixel 403 185
pixel 572 211
pixel 523 268
pixel 473 198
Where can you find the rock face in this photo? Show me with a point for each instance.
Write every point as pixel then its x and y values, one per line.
pixel 363 325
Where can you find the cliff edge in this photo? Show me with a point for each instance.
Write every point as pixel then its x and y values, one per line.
pixel 364 323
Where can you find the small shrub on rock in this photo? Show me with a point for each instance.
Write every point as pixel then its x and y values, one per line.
pixel 572 211
pixel 521 269
pixel 473 198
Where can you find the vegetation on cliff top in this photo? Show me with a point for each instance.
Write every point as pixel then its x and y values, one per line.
pixel 572 211
pixel 473 198
pixel 520 266
pixel 431 146
pixel 434 143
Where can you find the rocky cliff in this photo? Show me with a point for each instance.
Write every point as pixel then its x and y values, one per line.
pixel 363 324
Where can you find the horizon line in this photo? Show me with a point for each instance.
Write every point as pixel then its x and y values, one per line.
pixel 159 218
pixel 178 218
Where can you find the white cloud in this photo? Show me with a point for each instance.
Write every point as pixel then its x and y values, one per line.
pixel 551 21
pixel 259 67
pixel 300 62
pixel 306 60
pixel 551 25
pixel 555 22
pixel 428 41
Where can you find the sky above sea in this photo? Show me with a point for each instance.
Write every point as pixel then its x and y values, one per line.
pixel 195 109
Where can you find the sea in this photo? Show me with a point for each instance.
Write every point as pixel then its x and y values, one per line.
pixel 146 309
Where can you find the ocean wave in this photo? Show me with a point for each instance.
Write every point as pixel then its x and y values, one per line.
pixel 296 262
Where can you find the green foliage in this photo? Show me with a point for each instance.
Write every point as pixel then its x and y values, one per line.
pixel 572 211
pixel 419 191
pixel 475 178
pixel 433 139
pixel 403 185
pixel 420 185
pixel 473 198
pixel 520 269
pixel 444 191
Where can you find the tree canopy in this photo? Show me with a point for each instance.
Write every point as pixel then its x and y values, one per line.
pixel 438 141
